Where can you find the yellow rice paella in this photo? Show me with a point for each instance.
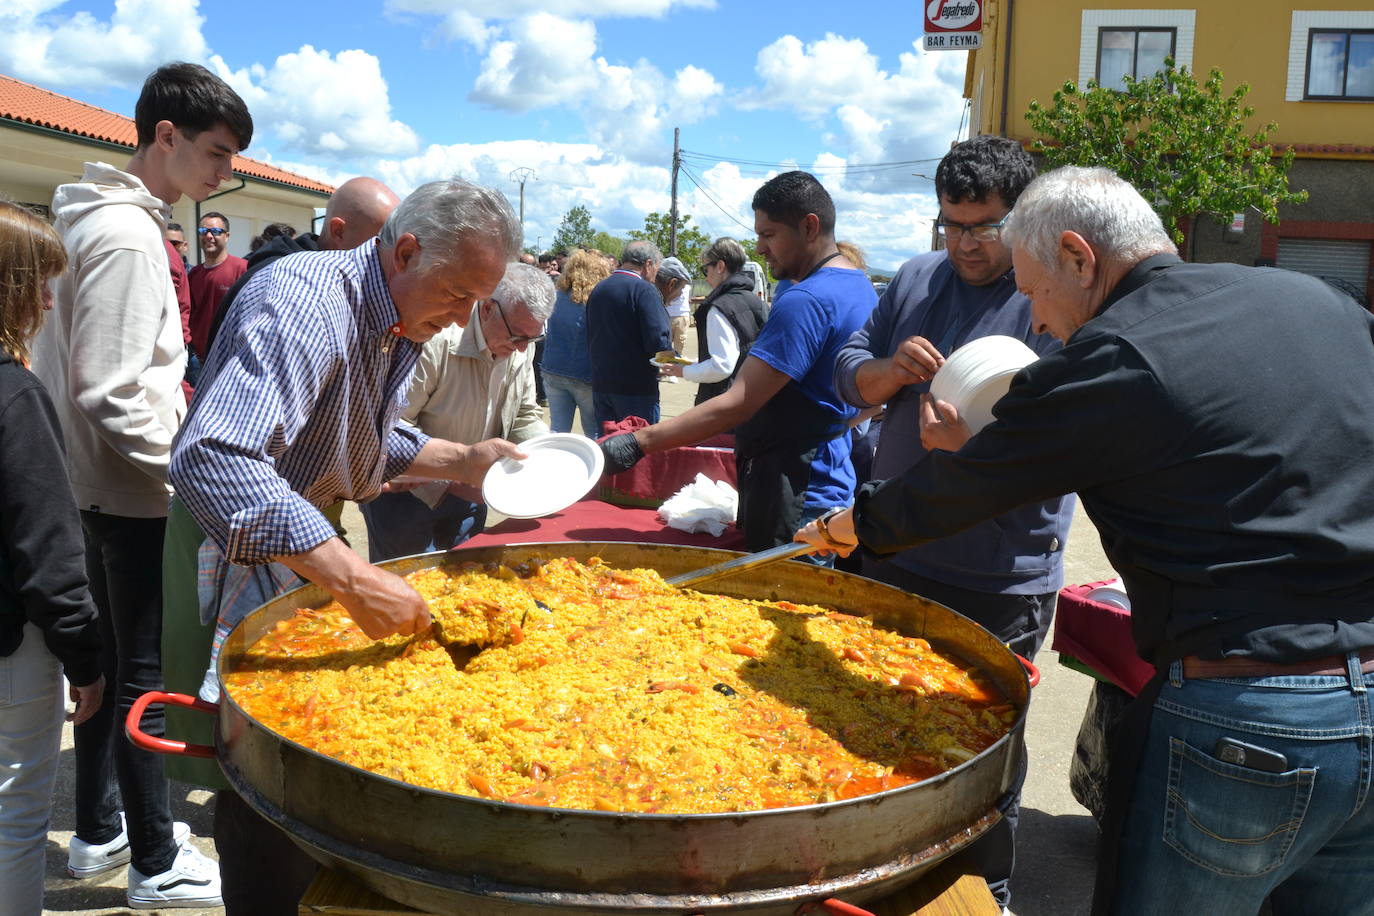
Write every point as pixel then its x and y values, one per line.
pixel 608 689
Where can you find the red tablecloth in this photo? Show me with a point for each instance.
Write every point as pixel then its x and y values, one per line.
pixel 593 520
pixel 658 476
pixel 1099 636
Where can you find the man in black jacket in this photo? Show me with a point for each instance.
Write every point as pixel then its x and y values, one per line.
pixel 1217 422
pixel 727 321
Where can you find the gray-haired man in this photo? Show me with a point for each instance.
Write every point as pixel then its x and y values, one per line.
pixel 626 327
pixel 471 384
pixel 1216 422
pixel 299 407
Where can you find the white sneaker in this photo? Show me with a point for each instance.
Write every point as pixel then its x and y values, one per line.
pixel 192 881
pixel 87 859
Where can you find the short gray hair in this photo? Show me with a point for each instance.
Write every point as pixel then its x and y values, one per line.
pixel 528 287
pixel 641 251
pixel 1097 204
pixel 445 215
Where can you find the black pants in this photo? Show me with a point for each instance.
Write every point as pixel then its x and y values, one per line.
pixel 1020 621
pixel 124 563
pixel 262 873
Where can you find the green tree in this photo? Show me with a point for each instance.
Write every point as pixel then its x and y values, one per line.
pixel 691 242
pixel 609 244
pixel 751 249
pixel 575 231
pixel 1182 144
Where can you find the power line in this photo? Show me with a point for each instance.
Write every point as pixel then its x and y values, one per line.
pixel 693 179
pixel 852 167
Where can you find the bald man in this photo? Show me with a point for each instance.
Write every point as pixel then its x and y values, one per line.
pixel 354 214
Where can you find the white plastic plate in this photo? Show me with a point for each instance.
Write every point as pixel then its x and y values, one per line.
pixel 559 471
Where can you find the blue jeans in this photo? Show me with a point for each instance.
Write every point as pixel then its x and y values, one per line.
pixel 566 396
pixel 31 711
pixel 1204 835
pixel 612 408
pixel 401 525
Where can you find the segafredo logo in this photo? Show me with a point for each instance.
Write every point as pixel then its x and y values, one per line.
pixel 952 14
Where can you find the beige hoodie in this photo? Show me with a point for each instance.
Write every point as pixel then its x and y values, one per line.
pixel 111 353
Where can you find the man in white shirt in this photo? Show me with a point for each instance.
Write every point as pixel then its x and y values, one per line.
pixel 470 384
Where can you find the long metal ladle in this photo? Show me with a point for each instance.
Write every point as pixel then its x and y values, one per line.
pixel 740 564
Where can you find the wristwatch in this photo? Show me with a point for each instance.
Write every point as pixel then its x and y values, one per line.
pixel 824 528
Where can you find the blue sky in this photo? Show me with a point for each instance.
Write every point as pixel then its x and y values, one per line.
pixel 585 93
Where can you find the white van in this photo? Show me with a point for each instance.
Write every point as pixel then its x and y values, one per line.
pixel 753 269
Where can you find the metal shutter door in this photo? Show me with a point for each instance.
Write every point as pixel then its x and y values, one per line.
pixel 1346 260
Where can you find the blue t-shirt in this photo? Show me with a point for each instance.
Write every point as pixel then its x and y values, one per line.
pixel 809 323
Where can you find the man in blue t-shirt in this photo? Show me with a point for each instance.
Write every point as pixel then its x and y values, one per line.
pixel 789 422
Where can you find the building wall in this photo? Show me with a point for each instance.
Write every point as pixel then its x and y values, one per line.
pixel 33 164
pixel 1249 40
pixel 1259 42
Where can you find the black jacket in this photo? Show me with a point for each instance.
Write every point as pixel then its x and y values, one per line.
pixel 278 247
pixel 1217 423
pixel 42 550
pixel 734 298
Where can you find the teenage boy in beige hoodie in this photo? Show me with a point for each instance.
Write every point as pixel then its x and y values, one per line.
pixel 112 357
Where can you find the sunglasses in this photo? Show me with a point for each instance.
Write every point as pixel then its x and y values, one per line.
pixel 705 266
pixel 216 231
pixel 514 337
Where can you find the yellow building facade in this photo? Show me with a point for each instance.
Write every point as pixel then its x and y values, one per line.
pixel 1310 68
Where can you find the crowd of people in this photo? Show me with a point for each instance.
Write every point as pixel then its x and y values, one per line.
pixel 1215 421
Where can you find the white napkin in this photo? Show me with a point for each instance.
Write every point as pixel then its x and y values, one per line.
pixel 703 505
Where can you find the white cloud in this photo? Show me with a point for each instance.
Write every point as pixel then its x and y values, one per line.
pixel 469 20
pixel 81 50
pixel 870 114
pixel 548 61
pixel 320 103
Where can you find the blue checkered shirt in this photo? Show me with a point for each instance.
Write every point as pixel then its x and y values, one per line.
pixel 297 407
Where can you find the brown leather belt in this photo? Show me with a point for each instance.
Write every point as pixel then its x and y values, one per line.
pixel 1244 666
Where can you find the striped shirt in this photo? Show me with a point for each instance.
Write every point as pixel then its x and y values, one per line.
pixel 298 406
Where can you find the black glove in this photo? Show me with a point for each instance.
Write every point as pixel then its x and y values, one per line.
pixel 622 452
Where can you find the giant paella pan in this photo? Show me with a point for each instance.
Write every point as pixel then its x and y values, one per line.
pixel 461 853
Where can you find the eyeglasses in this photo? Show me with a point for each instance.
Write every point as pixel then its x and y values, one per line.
pixel 216 231
pixel 984 232
pixel 514 337
pixel 705 266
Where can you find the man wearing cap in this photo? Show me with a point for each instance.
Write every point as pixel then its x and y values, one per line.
pixel 626 328
pixel 675 285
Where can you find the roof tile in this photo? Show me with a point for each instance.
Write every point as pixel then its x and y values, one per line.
pixel 28 104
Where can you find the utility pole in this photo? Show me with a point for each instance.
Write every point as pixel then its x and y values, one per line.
pixel 522 175
pixel 672 214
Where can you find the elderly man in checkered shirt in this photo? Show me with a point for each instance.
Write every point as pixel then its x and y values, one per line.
pixel 298 408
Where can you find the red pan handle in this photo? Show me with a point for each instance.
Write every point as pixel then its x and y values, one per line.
pixel 833 907
pixel 1032 672
pixel 166 745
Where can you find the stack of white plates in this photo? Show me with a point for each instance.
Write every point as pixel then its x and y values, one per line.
pixel 976 375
